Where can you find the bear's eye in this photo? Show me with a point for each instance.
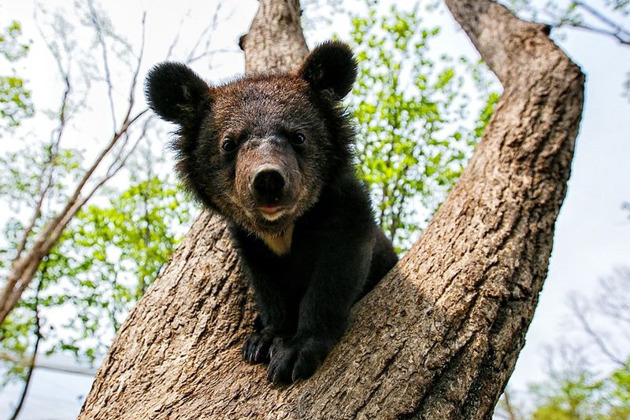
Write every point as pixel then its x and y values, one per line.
pixel 298 138
pixel 228 145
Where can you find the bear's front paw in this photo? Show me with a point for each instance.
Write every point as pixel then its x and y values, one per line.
pixel 256 347
pixel 295 359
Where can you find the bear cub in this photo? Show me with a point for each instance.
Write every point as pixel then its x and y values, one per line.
pixel 273 155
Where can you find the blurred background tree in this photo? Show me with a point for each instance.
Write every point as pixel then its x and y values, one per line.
pixel 15 98
pixel 588 369
pixel 414 125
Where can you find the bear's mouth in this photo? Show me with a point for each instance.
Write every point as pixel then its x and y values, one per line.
pixel 273 220
pixel 272 212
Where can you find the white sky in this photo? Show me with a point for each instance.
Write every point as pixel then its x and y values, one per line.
pixel 592 232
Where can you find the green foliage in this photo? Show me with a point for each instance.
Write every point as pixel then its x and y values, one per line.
pixel 12 49
pixel 580 395
pixel 16 335
pixel 409 108
pixel 104 262
pixel 573 389
pixel 24 174
pixel 109 256
pixel 15 98
pixel 26 171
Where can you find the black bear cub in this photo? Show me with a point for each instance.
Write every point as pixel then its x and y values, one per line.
pixel 273 155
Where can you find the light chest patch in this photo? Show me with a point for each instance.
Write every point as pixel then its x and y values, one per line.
pixel 280 245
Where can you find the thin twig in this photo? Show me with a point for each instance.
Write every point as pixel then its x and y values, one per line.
pixel 108 79
pixel 134 79
pixel 621 34
pixel 208 54
pixel 601 32
pixel 511 413
pixel 614 299
pixel 579 313
pixel 204 34
pixel 604 19
pixel 49 167
pixel 31 365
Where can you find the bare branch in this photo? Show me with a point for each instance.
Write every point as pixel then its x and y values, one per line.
pixel 509 410
pixel 134 79
pixel 49 167
pixel 601 31
pixel 122 160
pixel 580 314
pixel 614 299
pixel 169 53
pixel 113 169
pixel 621 33
pixel 204 34
pixel 208 54
pixel 31 364
pixel 101 40
pixel 616 31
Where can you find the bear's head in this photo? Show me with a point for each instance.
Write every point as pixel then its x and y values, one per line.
pixel 260 149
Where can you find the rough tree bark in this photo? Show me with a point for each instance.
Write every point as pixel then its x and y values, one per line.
pixel 439 336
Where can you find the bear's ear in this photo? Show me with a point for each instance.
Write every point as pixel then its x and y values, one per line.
pixel 330 66
pixel 177 94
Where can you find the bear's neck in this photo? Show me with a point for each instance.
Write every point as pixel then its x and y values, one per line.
pixel 279 245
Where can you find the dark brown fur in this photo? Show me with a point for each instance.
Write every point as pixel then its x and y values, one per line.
pixel 272 154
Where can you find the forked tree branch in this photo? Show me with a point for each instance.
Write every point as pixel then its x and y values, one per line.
pixel 439 336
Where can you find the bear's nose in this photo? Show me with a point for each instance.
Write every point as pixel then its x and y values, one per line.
pixel 268 185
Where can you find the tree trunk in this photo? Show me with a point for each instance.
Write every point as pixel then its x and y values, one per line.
pixel 439 336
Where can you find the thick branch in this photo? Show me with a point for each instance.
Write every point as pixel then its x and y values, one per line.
pixel 275 41
pixel 439 336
